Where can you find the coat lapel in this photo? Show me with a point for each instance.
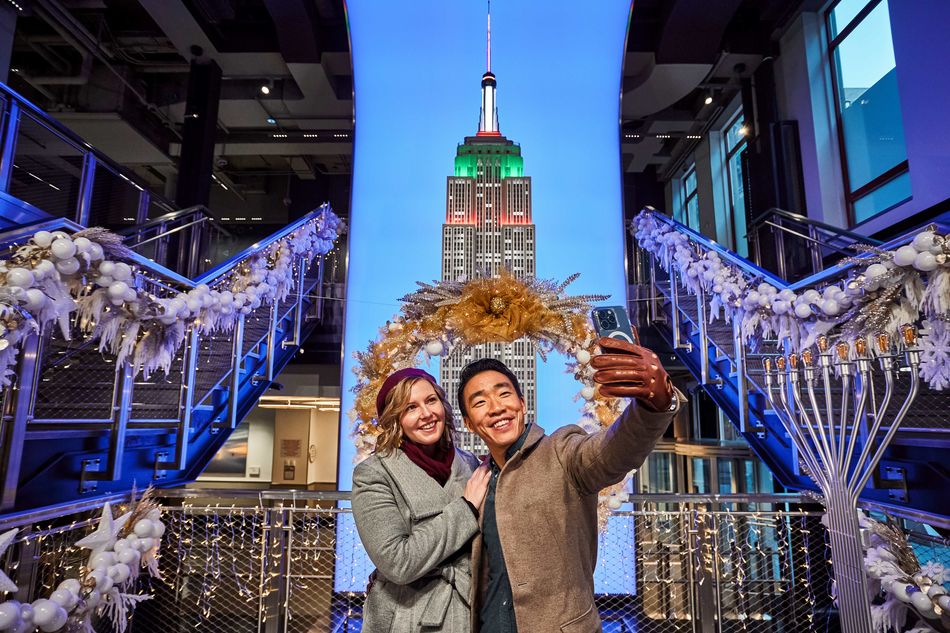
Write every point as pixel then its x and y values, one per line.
pixel 423 495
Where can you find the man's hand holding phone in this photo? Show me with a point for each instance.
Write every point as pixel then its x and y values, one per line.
pixel 625 369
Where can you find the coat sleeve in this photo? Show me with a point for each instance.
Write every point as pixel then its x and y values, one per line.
pixel 597 460
pixel 402 553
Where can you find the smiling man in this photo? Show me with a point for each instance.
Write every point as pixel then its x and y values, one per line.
pixel 533 563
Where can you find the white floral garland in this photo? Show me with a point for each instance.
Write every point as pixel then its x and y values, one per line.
pixel 56 274
pixel 916 278
pixel 921 589
pixel 104 585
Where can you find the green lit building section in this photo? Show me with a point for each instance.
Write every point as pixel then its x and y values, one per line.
pixel 509 157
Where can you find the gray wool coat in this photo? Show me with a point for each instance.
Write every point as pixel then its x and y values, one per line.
pixel 415 532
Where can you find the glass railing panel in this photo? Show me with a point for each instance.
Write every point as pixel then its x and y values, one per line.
pixel 157 207
pixel 115 199
pixel 47 168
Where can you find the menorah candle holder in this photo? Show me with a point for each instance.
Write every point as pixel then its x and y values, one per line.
pixel 840 451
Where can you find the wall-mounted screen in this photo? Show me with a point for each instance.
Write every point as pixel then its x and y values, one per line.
pixel 428 121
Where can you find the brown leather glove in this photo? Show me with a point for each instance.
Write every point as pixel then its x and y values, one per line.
pixel 625 370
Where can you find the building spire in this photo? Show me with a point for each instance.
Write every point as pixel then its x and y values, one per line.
pixel 489 37
pixel 488 118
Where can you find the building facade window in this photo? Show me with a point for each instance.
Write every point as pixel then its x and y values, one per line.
pixel 870 128
pixel 734 141
pixel 688 209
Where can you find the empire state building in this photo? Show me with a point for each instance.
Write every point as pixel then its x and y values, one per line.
pixel 488 228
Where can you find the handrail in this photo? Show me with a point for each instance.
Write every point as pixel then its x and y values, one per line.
pixel 159 236
pixel 840 249
pixel 824 275
pixel 8 238
pixel 722 251
pixel 94 503
pixel 837 270
pixel 802 219
pixel 23 232
pixel 226 265
pixel 174 216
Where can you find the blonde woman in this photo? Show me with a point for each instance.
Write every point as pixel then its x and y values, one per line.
pixel 415 504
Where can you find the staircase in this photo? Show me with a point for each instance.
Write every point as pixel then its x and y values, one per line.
pixel 913 477
pixel 77 428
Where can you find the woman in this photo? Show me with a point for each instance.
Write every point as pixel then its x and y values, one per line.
pixel 415 504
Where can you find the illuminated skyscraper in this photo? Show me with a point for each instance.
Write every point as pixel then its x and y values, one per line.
pixel 487 229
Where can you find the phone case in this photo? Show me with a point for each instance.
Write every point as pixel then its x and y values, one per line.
pixel 613 322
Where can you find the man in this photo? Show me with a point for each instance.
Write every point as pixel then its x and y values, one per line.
pixel 533 562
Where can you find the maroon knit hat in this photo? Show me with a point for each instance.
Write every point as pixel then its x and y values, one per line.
pixel 394 379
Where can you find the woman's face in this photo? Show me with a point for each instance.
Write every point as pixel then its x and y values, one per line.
pixel 424 417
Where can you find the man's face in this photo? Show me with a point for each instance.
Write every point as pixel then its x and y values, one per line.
pixel 493 409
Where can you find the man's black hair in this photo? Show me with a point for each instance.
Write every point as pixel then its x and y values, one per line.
pixel 478 366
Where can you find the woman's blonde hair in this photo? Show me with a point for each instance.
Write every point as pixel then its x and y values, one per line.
pixel 391 436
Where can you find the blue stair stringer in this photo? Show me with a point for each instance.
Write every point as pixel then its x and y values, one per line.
pixel 913 477
pixel 71 414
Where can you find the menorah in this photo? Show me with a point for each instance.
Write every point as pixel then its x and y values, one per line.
pixel 827 439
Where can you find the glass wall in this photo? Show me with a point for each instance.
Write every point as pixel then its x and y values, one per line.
pixel 871 131
pixel 734 141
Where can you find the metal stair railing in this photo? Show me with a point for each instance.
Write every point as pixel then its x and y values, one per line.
pixel 68 390
pixel 47 170
pixel 801 246
pixel 189 241
pixel 734 376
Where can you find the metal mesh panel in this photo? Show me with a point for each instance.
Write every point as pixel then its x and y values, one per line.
pixel 212 569
pixel 256 327
pixel 311 599
pixel 76 380
pixel 285 307
pixel 670 569
pixel 158 397
pixel 214 362
pixel 47 169
pixel 703 567
pixel 932 553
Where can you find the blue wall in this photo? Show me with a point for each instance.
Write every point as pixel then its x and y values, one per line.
pixel 417 68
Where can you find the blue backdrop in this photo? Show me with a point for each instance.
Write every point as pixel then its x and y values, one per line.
pixel 417 72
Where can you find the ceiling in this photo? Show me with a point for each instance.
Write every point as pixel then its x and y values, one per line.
pixel 679 53
pixel 116 72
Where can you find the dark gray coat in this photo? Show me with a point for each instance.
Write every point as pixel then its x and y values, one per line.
pixel 413 530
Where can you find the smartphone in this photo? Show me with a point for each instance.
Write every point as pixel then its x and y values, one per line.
pixel 613 322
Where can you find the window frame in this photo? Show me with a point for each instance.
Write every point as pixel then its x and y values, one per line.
pixel 898 170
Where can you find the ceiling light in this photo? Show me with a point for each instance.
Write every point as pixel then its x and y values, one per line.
pixel 265 89
pixel 272 120
pixel 708 100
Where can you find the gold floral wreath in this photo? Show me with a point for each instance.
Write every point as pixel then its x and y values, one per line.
pixel 447 318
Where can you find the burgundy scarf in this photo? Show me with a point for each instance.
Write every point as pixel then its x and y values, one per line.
pixel 439 466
